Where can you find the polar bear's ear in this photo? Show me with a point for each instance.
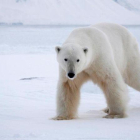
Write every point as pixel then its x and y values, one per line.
pixel 57 49
pixel 85 50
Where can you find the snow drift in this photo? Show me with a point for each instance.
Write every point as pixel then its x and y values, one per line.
pixel 132 5
pixel 64 12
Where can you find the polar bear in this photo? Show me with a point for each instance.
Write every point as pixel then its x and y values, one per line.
pixel 106 54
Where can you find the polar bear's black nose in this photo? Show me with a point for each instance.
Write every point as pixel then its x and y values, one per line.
pixel 71 75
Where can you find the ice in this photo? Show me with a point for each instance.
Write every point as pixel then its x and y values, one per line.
pixel 28 81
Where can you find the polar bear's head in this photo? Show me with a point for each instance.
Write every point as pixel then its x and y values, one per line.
pixel 71 59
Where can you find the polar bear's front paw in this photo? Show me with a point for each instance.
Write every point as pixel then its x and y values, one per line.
pixel 63 118
pixel 109 116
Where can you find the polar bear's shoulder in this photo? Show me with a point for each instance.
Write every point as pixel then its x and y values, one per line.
pixel 111 27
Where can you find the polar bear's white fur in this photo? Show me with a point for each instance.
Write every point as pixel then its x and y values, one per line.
pixel 105 53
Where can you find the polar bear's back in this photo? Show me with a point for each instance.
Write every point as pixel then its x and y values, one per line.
pixel 118 35
pixel 123 43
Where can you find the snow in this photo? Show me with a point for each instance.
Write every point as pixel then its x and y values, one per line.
pixel 28 80
pixel 132 5
pixel 36 12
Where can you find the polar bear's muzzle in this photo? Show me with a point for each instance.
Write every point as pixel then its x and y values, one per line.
pixel 70 70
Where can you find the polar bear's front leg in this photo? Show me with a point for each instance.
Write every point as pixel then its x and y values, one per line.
pixel 116 95
pixel 67 101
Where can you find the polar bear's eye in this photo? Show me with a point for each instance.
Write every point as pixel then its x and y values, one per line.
pixel 78 60
pixel 66 59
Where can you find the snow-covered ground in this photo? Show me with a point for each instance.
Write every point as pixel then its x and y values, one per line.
pixel 66 12
pixel 28 79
